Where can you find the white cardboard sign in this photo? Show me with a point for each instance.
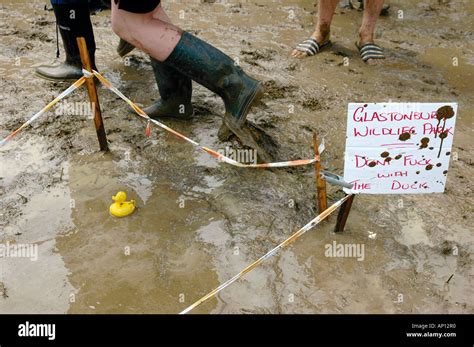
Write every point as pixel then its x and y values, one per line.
pixel 399 148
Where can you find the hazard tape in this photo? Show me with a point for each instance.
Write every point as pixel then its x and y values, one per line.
pixel 285 243
pixel 213 153
pixel 61 96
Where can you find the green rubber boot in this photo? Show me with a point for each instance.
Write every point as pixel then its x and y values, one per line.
pixel 175 91
pixel 70 28
pixel 216 71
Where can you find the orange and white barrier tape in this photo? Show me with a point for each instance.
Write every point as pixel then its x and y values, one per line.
pixel 141 113
pixel 61 96
pixel 213 153
pixel 285 243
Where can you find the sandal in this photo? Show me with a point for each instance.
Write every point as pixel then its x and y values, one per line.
pixel 311 46
pixel 370 51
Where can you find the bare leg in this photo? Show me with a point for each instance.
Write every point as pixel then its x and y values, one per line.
pixel 151 32
pixel 372 10
pixel 326 10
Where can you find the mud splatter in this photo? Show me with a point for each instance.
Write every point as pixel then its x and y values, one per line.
pixel 398 157
pixel 404 136
pixel 384 154
pixel 388 159
pixel 438 165
pixel 424 142
pixel 429 167
pixel 372 164
pixel 443 113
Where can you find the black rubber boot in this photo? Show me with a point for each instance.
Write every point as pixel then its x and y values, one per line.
pixel 175 91
pixel 73 21
pixel 216 71
pixel 123 48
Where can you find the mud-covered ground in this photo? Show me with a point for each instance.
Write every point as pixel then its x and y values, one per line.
pixel 199 222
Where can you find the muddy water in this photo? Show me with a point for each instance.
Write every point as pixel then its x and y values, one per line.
pixel 199 222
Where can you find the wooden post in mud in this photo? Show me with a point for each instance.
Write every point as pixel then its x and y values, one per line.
pixel 343 214
pixel 93 97
pixel 320 182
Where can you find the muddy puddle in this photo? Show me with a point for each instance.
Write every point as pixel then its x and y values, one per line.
pixel 198 221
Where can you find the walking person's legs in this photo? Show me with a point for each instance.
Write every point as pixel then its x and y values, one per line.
pixel 152 32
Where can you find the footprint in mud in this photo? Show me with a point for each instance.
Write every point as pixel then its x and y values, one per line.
pixel 276 90
pixel 313 104
pixel 265 54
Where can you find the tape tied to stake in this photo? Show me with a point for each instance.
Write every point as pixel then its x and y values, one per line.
pixel 87 74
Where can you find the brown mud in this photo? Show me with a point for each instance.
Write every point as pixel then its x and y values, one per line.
pixel 198 221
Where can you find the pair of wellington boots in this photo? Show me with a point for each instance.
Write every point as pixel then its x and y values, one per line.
pixel 194 59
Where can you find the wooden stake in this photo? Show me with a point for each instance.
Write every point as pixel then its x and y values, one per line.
pixel 93 97
pixel 320 182
pixel 343 214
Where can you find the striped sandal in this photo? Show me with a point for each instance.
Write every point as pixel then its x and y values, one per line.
pixel 370 51
pixel 311 46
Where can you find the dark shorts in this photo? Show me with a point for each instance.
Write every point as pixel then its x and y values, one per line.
pixel 137 6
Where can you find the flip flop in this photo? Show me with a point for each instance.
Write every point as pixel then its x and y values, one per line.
pixel 370 51
pixel 311 46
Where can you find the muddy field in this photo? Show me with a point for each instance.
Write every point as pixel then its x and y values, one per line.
pixel 199 221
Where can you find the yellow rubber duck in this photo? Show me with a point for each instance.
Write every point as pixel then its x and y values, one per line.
pixel 121 208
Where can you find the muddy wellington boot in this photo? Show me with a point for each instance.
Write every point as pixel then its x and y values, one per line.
pixel 216 71
pixel 72 21
pixel 175 91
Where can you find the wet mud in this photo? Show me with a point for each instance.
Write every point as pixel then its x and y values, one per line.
pixel 198 222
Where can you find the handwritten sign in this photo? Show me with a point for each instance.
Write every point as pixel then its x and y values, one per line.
pixel 399 148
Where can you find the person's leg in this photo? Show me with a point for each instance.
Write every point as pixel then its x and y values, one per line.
pixel 192 57
pixel 73 20
pixel 146 31
pixel 372 10
pixel 326 10
pixel 174 87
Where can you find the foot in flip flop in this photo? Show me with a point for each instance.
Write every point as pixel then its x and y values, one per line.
pixel 370 53
pixel 310 47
